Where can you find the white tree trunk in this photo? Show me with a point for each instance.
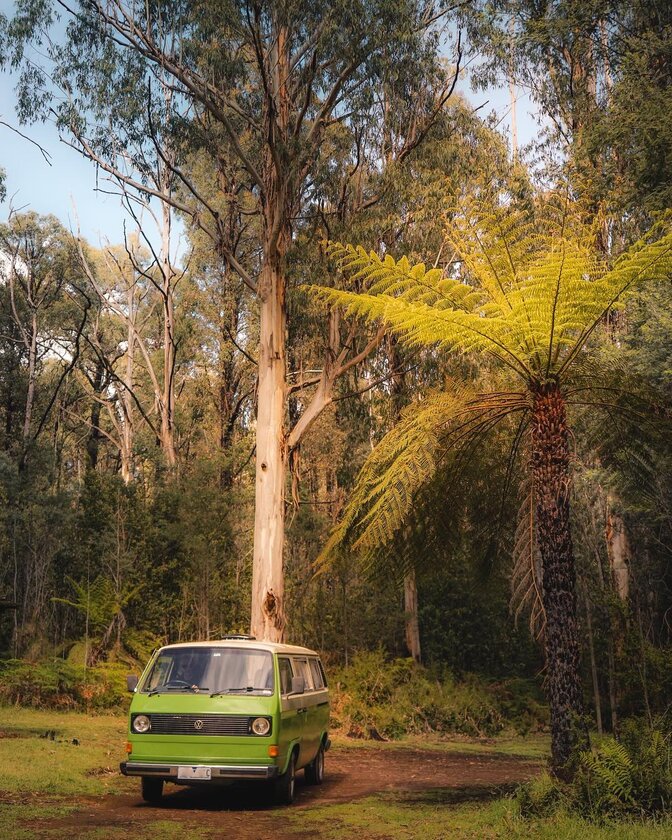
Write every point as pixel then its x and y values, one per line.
pixel 167 398
pixel 268 615
pixel 618 551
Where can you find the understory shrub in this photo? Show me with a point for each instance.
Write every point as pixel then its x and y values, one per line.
pixel 631 777
pixel 61 684
pixel 375 697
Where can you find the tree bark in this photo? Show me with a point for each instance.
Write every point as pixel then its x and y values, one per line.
pixel 593 668
pixel 550 473
pixel 411 615
pixel 167 401
pixel 93 441
pixel 618 551
pixel 32 376
pixel 398 397
pixel 268 609
pixel 268 616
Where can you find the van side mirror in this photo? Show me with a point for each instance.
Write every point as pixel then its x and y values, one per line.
pixel 298 685
pixel 131 682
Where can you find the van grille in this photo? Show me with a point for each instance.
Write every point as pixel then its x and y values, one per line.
pixel 200 724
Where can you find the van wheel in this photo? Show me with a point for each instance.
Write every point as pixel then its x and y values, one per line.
pixel 152 789
pixel 283 786
pixel 315 770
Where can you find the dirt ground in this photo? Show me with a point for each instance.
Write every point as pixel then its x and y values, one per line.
pixel 239 811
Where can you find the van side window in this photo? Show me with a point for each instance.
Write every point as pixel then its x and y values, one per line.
pixel 318 680
pixel 285 668
pixel 302 669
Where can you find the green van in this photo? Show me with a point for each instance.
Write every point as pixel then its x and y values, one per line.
pixel 227 710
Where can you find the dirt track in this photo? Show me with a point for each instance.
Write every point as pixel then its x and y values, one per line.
pixel 239 811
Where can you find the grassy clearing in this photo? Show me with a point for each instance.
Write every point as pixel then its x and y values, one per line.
pixel 533 747
pixel 41 777
pixel 58 767
pixel 439 814
pixel 17 820
pixel 33 763
pixel 54 822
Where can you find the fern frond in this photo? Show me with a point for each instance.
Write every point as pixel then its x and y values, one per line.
pixel 613 769
pixel 529 298
pixel 401 463
pixel 526 583
pixel 441 426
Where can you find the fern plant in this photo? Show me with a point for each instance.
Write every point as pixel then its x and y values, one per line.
pixel 632 776
pixel 526 289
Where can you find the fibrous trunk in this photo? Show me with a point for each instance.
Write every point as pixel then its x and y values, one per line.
pixel 550 472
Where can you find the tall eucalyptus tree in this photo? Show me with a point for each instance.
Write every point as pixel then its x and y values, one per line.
pixel 268 82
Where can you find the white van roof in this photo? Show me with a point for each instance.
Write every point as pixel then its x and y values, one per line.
pixel 273 647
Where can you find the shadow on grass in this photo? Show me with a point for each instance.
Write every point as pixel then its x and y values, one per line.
pixel 451 795
pixel 26 732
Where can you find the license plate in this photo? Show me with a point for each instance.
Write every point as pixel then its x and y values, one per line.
pixel 194 773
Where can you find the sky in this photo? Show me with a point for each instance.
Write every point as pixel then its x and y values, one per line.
pixel 67 186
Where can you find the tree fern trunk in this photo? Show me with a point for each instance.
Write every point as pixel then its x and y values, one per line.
pixel 550 472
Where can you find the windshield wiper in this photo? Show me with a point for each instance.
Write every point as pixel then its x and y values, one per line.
pixel 246 688
pixel 176 686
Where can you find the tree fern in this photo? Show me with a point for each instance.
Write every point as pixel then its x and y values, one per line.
pixel 528 291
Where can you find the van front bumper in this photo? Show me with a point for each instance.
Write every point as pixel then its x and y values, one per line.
pixel 217 771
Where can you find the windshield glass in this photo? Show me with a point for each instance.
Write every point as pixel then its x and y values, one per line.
pixel 214 669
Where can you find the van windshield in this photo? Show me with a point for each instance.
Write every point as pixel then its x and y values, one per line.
pixel 215 669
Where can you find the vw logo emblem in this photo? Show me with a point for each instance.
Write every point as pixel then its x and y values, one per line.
pixel 198 724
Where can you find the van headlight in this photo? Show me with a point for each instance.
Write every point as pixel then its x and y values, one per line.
pixel 260 726
pixel 141 724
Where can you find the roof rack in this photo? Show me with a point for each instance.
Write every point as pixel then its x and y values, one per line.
pixel 240 637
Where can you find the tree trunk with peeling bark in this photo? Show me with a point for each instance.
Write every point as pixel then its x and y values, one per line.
pixel 268 609
pixel 550 474
pixel 268 615
pixel 411 615
pixel 618 551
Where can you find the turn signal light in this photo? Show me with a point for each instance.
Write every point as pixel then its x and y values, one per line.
pixel 129 747
pixel 273 752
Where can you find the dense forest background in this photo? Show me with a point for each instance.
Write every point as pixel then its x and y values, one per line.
pixel 128 377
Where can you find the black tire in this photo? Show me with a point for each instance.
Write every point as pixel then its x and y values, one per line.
pixel 315 770
pixel 283 786
pixel 152 789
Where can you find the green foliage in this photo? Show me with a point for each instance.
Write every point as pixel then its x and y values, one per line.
pixel 527 288
pixel 631 777
pixel 374 696
pixel 531 289
pixel 542 797
pixel 60 684
pixel 405 459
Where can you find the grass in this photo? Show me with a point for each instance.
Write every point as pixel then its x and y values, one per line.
pixel 55 765
pixel 54 822
pixel 17 820
pixel 533 747
pixel 439 814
